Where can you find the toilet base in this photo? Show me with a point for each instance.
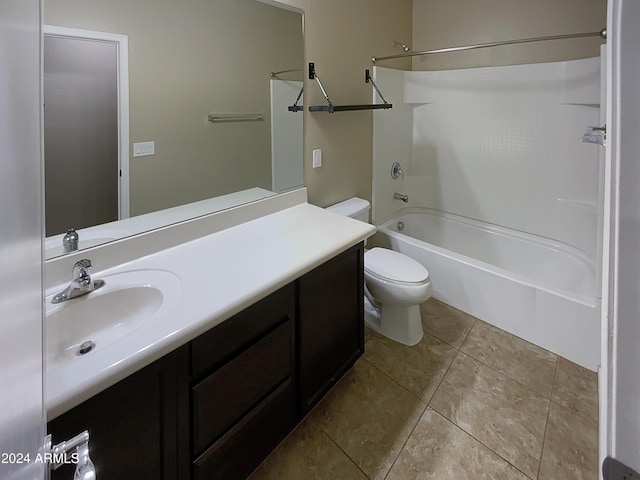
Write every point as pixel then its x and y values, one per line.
pixel 401 323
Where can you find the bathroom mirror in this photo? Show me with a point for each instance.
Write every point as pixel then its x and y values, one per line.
pixel 187 61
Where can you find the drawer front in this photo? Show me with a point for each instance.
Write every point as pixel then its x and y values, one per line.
pixel 227 395
pixel 215 347
pixel 243 448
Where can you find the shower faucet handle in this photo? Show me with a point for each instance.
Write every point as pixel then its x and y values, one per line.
pixel 396 170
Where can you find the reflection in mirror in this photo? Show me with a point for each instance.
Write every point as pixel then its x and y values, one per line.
pixel 186 61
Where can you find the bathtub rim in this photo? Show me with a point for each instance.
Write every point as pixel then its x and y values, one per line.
pixel 384 228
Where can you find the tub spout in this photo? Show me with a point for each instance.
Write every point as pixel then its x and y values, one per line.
pixel 400 196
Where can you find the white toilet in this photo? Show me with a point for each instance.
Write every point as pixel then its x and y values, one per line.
pixel 395 284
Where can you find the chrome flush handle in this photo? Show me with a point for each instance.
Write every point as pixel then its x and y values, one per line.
pixel 596 135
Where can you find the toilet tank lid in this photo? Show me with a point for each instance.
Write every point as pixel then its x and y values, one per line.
pixel 351 207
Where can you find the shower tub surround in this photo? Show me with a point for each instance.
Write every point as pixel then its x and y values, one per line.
pixel 498 151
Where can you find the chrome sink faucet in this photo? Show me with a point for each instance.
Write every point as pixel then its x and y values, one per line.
pixel 81 283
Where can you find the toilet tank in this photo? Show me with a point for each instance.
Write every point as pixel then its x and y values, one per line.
pixel 355 207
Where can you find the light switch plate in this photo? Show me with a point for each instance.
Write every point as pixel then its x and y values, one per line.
pixel 317 158
pixel 142 149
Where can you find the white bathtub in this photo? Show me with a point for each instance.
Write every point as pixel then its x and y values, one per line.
pixel 538 289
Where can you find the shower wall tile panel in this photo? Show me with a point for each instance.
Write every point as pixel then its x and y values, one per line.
pixel 497 144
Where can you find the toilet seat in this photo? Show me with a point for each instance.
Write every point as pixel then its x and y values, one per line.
pixel 391 266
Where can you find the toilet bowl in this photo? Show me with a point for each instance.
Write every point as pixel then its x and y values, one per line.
pixel 395 285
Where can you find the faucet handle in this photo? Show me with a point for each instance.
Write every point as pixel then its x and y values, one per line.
pixel 396 171
pixel 81 271
pixel 85 262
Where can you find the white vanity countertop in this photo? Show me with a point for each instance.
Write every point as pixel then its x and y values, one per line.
pixel 220 274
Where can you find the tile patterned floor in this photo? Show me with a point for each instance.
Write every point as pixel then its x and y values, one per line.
pixel 469 401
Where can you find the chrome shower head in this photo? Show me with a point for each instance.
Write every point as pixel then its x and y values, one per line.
pixel 405 49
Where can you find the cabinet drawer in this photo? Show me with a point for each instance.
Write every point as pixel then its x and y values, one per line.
pixel 215 347
pixel 241 450
pixel 228 394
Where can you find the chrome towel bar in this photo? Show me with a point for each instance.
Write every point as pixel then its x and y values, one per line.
pixel 235 117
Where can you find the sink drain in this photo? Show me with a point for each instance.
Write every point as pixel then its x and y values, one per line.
pixel 85 348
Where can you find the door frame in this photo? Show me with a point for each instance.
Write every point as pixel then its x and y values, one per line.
pixel 122 45
pixel 619 385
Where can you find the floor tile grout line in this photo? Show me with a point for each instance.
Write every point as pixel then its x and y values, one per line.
pixel 478 440
pixel 433 334
pixel 426 329
pixel 555 377
pixel 579 413
pixel 443 377
pixel 395 381
pixel 469 433
pixel 516 336
pixel 326 434
pixel 406 440
pixel 506 375
pixel 425 404
pixel 475 321
pixel 450 363
pixel 557 360
pixel 546 423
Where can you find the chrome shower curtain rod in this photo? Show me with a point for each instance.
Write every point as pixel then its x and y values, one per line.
pixel 275 74
pixel 602 33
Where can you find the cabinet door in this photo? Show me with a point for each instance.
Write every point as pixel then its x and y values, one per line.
pixel 331 323
pixel 133 426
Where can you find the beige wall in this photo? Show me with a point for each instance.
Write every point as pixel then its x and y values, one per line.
pixel 340 38
pixel 188 59
pixel 445 23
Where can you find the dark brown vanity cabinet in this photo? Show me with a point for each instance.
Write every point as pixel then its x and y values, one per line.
pixel 331 326
pixel 216 407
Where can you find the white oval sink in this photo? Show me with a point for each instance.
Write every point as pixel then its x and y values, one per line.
pixel 127 301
